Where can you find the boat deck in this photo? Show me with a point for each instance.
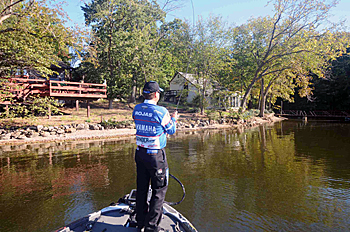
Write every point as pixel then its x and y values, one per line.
pixel 115 220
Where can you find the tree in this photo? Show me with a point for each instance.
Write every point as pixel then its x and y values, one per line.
pixel 210 40
pixel 175 49
pixel 9 8
pixel 126 39
pixel 331 92
pixel 32 36
pixel 289 44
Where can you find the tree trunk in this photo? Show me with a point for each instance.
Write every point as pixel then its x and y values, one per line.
pixel 249 89
pixel 264 95
pixel 246 95
pixel 111 69
pixel 132 98
pixel 203 98
pixel 262 99
pixel 110 103
pixel 259 101
pixel 262 106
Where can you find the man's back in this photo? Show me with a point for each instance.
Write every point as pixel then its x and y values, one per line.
pixel 152 122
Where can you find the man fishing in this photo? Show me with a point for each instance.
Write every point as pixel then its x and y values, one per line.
pixel 153 123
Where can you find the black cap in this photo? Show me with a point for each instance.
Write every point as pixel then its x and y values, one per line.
pixel 151 87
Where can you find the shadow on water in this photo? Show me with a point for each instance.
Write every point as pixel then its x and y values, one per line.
pixel 290 176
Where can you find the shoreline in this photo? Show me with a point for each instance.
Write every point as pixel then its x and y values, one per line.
pixel 120 134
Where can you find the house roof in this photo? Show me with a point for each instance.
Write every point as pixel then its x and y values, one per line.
pixel 192 79
pixel 188 76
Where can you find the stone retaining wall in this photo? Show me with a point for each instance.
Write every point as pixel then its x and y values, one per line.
pixel 40 131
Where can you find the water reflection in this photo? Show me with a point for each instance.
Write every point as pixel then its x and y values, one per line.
pixel 258 180
pixel 286 177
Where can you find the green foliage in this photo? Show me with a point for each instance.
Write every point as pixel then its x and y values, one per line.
pixel 17 110
pixel 183 94
pixel 331 92
pixel 111 124
pixel 125 34
pixel 213 114
pixel 244 115
pixel 200 101
pixel 39 105
pixel 34 106
pixel 249 114
pixel 32 36
pixel 175 49
pixel 209 43
pixel 284 49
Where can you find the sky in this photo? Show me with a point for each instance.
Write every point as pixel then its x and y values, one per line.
pixel 234 12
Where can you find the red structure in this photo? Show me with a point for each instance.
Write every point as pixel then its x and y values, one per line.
pixel 21 88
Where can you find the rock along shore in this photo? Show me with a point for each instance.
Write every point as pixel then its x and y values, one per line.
pixel 104 130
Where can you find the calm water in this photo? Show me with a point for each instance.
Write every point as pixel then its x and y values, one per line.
pixel 290 176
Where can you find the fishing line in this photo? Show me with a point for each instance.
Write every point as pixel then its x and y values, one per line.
pixel 188 62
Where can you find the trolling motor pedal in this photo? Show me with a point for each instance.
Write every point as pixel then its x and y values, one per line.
pixel 132 195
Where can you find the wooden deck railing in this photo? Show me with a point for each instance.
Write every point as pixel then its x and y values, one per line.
pixel 21 88
pixel 171 93
pixel 77 89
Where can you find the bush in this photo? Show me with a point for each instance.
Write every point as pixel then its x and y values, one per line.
pixel 198 101
pixel 34 106
pixel 212 114
pixel 111 124
pixel 39 106
pixel 182 97
pixel 244 115
pixel 268 111
pixel 234 114
pixel 250 114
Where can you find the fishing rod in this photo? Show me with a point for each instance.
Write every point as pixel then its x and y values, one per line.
pixel 188 62
pixel 177 105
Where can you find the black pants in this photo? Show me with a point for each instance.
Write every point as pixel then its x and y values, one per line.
pixel 151 165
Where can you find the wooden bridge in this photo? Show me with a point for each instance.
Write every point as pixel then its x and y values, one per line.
pixel 317 115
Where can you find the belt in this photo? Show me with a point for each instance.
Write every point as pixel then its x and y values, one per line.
pixel 149 151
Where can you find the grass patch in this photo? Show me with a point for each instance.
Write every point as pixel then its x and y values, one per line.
pixel 98 111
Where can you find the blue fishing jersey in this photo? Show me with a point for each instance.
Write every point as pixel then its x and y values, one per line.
pixel 152 123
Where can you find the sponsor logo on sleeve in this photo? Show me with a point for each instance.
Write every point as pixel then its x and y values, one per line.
pixel 158 112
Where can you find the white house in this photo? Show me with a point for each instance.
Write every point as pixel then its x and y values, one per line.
pixel 179 83
pixel 186 81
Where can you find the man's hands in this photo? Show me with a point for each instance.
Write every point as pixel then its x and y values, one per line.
pixel 175 115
